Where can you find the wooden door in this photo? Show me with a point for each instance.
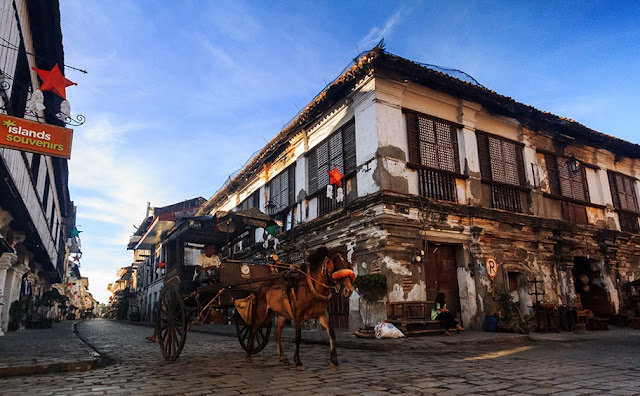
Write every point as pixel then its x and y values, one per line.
pixel 441 275
pixel 339 312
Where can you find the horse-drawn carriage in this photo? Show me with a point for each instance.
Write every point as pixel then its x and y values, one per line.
pixel 254 290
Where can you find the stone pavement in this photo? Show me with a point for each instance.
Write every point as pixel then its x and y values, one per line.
pixel 58 349
pixel 602 363
pixel 37 351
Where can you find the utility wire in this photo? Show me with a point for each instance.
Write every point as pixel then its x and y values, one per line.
pixel 11 46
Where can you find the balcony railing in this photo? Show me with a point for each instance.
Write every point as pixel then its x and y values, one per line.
pixel 506 198
pixel 437 184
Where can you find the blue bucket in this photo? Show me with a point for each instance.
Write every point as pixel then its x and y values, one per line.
pixel 491 323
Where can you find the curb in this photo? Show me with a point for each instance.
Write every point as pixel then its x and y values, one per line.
pixel 369 345
pixel 95 360
pixel 101 359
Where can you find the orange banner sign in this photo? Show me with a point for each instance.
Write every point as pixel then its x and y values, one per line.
pixel 20 134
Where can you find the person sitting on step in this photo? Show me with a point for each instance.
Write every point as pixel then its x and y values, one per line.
pixel 441 312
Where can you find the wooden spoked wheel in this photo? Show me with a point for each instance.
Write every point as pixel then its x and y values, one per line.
pixel 171 321
pixel 244 331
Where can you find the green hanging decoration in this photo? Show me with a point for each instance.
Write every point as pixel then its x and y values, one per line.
pixel 75 232
pixel 272 230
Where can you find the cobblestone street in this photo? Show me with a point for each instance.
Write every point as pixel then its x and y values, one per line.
pixel 216 364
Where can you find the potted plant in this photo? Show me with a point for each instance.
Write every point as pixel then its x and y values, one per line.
pixel 17 312
pixel 512 319
pixel 46 302
pixel 371 288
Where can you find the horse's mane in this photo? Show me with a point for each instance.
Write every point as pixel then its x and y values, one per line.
pixel 316 257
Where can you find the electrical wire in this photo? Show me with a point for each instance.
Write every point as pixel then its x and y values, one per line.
pixel 11 46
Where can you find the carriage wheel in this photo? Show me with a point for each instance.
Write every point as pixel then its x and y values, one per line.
pixel 171 320
pixel 259 341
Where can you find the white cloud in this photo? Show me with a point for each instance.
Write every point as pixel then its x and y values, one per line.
pixel 378 33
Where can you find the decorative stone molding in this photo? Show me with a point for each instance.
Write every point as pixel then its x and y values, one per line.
pixel 8 260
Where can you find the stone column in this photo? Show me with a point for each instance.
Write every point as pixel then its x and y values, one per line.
pixel 7 260
pixel 469 151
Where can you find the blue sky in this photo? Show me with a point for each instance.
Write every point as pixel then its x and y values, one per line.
pixel 179 94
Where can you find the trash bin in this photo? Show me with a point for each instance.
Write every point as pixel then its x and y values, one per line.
pixel 491 323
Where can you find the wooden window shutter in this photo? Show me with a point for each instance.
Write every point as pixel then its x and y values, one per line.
pixel 454 143
pixel 585 186
pixel 312 171
pixel 349 148
pixel 581 214
pixel 292 184
pixel 552 174
pixel 256 199
pixel 335 153
pixel 614 189
pixel 520 164
pixel 497 158
pixel 322 153
pixel 623 192
pixel 629 192
pixel 483 154
pixel 413 138
pixel 446 147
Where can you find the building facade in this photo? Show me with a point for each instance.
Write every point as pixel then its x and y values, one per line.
pixel 36 212
pixel 441 176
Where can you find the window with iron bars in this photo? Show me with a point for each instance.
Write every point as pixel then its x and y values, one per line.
pixel 572 186
pixel 338 150
pixel 282 190
pixel 251 201
pixel 625 201
pixel 502 166
pixel 433 151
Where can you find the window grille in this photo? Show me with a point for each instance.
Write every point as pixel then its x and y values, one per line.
pixel 502 165
pixel 281 189
pixel 337 150
pixel 625 201
pixel 433 147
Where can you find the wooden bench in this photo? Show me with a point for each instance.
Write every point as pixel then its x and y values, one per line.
pixel 413 317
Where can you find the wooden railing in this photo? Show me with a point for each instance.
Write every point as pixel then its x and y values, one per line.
pixel 506 198
pixel 437 184
pixel 328 205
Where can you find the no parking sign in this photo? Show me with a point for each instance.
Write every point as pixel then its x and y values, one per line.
pixel 492 267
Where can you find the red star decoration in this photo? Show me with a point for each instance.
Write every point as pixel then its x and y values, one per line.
pixel 335 177
pixel 53 80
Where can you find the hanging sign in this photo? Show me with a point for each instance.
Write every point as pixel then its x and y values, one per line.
pixel 35 137
pixel 492 267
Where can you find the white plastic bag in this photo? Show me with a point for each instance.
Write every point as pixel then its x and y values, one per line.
pixel 387 330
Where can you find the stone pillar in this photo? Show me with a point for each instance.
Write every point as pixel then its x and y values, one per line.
pixel 7 260
pixel 469 151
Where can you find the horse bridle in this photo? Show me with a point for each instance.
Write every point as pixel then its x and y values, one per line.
pixel 331 276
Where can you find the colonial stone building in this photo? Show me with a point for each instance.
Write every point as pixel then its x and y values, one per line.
pixel 36 212
pixel 439 176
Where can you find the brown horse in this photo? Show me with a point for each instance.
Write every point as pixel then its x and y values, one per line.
pixel 306 298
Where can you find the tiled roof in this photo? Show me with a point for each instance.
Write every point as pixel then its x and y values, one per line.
pixel 381 62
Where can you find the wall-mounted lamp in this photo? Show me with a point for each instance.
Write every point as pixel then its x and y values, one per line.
pixel 573 164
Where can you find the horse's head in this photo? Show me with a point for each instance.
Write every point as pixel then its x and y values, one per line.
pixel 343 275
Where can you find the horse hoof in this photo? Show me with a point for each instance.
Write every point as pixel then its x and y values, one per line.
pixel 300 368
pixel 334 367
pixel 285 362
pixel 247 359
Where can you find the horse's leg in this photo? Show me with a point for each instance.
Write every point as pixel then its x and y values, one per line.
pixel 281 322
pixel 324 321
pixel 296 356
